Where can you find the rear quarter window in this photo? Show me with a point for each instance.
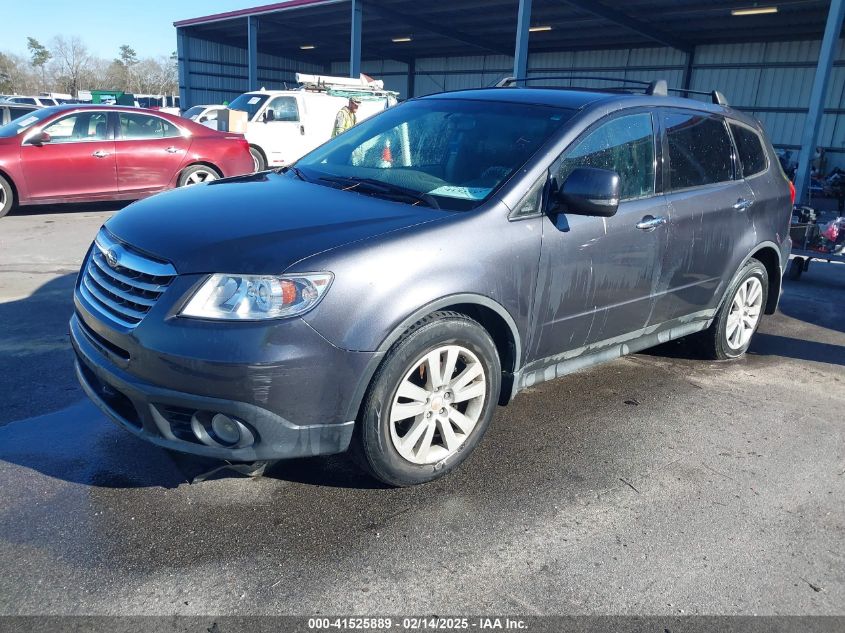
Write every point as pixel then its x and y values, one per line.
pixel 749 146
pixel 700 150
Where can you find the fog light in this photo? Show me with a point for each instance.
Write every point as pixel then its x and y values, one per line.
pixel 226 430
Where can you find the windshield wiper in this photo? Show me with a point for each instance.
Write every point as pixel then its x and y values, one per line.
pixel 374 186
pixel 295 170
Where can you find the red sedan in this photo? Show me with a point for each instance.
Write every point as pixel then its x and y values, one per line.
pixel 76 153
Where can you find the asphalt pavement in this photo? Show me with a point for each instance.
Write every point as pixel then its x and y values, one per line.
pixel 656 484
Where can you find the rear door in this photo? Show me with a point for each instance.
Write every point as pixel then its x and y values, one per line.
pixel 708 213
pixel 598 275
pixel 78 160
pixel 150 152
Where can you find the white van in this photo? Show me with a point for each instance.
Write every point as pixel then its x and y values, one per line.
pixel 283 125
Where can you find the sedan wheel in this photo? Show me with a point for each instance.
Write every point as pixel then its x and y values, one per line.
pixel 200 176
pixel 437 405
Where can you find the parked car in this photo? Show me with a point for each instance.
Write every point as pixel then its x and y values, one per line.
pixel 11 111
pixel 389 302
pixel 282 125
pixel 77 153
pixel 41 102
pixel 205 115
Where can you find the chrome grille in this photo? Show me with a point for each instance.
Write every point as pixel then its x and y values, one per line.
pixel 121 283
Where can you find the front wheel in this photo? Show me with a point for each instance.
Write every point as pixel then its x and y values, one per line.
pixel 729 336
pixel 430 402
pixel 258 162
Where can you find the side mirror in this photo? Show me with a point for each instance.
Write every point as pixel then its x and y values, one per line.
pixel 39 139
pixel 269 115
pixel 203 119
pixel 590 191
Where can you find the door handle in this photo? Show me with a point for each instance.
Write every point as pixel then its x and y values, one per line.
pixel 302 130
pixel 649 223
pixel 742 204
pixel 172 150
pixel 100 154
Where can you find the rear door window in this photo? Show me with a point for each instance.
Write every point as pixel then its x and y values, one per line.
pixel 624 145
pixel 136 127
pixel 700 150
pixel 750 150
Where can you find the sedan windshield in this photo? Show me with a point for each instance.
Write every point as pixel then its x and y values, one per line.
pixel 447 153
pixel 25 122
pixel 250 103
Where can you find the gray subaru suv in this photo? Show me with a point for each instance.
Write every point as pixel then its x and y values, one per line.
pixel 389 290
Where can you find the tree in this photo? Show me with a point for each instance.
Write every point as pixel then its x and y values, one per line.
pixel 71 57
pixel 127 59
pixel 39 56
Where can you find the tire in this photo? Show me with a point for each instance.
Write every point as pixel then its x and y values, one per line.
pixel 7 196
pixel 257 158
pixel 721 340
pixel 198 174
pixel 796 267
pixel 421 447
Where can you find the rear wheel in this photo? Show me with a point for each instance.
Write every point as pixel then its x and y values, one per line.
pixel 430 402
pixel 7 196
pixel 258 162
pixel 730 334
pixel 198 174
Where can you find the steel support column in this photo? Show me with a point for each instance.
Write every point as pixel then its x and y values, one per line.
pixel 520 55
pixel 355 39
pixel 817 97
pixel 252 51
pixel 412 77
pixel 183 46
pixel 688 68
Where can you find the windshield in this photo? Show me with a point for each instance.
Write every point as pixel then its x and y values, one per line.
pixel 457 152
pixel 192 113
pixel 25 122
pixel 250 103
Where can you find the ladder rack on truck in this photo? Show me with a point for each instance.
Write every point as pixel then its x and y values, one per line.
pixel 364 88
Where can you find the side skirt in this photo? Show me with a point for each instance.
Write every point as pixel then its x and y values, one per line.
pixel 609 349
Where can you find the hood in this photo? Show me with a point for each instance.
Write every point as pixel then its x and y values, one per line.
pixel 259 224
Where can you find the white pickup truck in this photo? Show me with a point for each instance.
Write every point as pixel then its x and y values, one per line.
pixel 283 125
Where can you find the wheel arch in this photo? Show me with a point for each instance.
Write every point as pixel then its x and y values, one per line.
pixel 768 255
pixel 8 178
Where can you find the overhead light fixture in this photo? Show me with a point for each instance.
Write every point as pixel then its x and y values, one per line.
pixel 754 11
pixel 400 39
pixel 537 29
pixel 307 47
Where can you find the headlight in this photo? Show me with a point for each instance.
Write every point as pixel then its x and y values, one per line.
pixel 252 297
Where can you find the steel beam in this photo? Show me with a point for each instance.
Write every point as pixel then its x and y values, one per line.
pixel 412 77
pixel 183 46
pixel 817 97
pixel 632 24
pixel 355 39
pixel 252 51
pixel 688 68
pixel 520 55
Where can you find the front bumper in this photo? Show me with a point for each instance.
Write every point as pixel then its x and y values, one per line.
pixel 302 409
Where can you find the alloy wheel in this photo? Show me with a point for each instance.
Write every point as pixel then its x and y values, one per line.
pixel 438 404
pixel 745 313
pixel 200 176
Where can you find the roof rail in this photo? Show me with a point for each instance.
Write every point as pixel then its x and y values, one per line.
pixel 715 96
pixel 657 87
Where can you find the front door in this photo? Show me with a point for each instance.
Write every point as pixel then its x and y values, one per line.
pixel 598 275
pixel 77 160
pixel 708 213
pixel 279 131
pixel 150 152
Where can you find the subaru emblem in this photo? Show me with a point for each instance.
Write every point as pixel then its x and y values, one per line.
pixel 111 258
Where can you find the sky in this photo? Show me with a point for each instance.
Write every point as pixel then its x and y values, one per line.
pixel 146 25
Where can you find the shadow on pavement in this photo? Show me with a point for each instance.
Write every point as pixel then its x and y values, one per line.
pixel 799 349
pixel 71 207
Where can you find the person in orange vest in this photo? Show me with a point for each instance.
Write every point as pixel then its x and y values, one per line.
pixel 345 118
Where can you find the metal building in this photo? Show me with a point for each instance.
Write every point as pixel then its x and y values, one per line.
pixel 779 60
